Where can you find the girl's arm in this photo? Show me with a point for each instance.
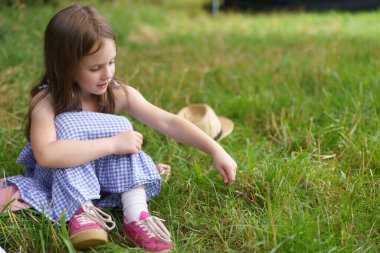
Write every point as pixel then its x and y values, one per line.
pixel 52 153
pixel 182 131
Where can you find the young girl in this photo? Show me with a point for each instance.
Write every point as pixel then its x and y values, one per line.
pixel 80 154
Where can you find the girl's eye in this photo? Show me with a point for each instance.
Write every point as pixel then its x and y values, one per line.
pixel 94 69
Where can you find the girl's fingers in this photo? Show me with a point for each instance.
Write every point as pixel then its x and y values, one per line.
pixel 162 168
pixel 139 137
pixel 223 173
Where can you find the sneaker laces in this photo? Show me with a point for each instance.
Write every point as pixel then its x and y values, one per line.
pixel 154 227
pixel 93 214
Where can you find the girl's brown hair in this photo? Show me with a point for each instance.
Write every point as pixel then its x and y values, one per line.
pixel 69 36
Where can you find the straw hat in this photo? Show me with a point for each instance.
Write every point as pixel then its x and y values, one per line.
pixel 206 119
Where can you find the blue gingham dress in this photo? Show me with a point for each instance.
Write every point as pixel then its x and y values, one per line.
pixel 54 192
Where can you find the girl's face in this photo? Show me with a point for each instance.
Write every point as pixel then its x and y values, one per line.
pixel 96 70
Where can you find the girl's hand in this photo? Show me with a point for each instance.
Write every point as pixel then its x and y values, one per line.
pixel 128 142
pixel 226 166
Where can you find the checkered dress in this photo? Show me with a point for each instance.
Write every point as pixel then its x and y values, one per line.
pixel 54 192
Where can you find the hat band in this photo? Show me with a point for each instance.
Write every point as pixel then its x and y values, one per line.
pixel 217 137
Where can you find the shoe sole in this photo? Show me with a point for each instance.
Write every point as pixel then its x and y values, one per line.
pixel 89 238
pixel 131 242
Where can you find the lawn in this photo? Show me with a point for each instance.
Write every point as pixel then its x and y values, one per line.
pixel 302 89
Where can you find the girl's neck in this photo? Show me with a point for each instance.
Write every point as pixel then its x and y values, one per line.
pixel 89 103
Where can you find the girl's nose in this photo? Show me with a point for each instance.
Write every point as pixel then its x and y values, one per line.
pixel 108 72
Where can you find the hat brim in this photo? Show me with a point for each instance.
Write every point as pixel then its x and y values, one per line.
pixel 227 127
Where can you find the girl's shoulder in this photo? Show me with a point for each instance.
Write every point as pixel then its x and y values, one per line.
pixel 41 113
pixel 41 99
pixel 120 93
pixel 125 97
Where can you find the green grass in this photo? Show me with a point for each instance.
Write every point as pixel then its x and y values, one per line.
pixel 301 88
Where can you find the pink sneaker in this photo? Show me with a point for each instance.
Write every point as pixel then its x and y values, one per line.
pixel 149 233
pixel 88 227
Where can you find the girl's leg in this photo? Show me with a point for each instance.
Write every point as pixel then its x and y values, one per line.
pixel 131 177
pixel 88 226
pixel 78 186
pixel 134 202
pixel 140 228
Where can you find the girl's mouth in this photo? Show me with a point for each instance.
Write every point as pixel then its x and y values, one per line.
pixel 102 86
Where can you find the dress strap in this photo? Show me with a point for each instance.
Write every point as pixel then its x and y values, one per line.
pixel 43 85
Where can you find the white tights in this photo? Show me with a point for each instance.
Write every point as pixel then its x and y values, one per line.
pixel 134 202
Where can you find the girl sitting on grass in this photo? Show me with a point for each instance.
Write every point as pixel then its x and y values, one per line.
pixel 80 154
